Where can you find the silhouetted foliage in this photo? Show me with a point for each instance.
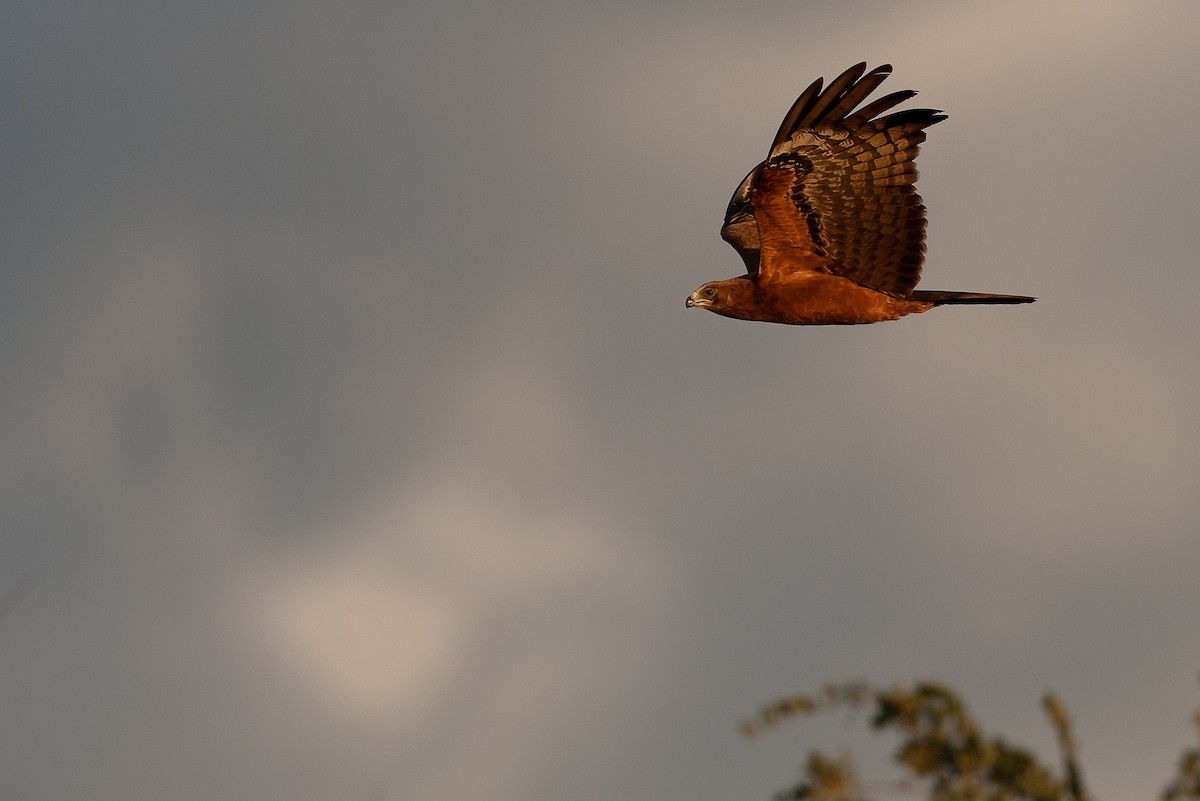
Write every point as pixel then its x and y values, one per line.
pixel 944 750
pixel 1186 784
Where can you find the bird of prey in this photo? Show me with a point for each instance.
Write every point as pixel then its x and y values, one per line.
pixel 830 227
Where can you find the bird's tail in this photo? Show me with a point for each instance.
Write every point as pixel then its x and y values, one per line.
pixel 938 298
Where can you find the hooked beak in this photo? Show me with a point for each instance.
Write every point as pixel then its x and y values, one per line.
pixel 695 299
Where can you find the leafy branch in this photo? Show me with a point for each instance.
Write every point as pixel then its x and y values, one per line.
pixel 944 749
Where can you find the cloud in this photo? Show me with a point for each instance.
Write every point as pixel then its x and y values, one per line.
pixel 385 620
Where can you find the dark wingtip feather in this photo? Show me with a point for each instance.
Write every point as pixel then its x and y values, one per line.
pixel 800 108
pixel 923 117
pixel 829 99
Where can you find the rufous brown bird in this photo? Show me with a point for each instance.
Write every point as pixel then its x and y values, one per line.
pixel 830 227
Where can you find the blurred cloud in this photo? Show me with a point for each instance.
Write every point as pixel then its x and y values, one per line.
pixel 408 596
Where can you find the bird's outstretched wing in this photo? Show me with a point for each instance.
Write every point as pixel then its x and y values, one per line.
pixel 837 187
pixel 740 228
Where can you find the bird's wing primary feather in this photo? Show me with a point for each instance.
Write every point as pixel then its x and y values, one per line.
pixel 840 187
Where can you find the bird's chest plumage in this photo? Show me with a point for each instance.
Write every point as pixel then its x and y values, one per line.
pixel 818 299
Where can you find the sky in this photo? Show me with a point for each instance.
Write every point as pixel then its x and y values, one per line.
pixel 355 441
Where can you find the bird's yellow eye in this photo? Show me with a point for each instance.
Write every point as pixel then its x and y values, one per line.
pixel 710 293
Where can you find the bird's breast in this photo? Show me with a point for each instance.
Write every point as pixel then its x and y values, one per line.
pixel 820 299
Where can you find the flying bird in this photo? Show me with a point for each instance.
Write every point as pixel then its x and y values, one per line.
pixel 830 226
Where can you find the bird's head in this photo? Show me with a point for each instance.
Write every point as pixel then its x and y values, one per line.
pixel 731 297
pixel 707 296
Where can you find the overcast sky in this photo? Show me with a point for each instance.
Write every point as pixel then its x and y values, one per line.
pixel 356 442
